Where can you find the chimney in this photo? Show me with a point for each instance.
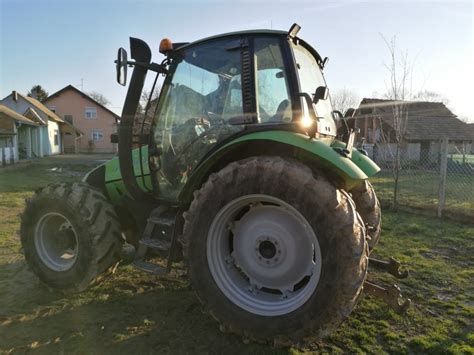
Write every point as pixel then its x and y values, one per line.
pixel 15 95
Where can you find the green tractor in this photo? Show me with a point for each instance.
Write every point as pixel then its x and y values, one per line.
pixel 243 169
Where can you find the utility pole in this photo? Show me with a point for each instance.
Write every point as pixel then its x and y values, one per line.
pixel 82 84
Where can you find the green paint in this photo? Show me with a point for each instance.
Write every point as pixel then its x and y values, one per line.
pixel 113 179
pixel 320 148
pixel 351 171
pixel 366 164
pixel 321 151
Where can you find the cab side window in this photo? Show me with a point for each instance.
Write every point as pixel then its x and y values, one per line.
pixel 273 94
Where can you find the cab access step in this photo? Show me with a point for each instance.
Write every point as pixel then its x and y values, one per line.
pixel 159 238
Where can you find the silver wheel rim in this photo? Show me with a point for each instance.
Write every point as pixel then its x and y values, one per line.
pixel 263 255
pixel 56 241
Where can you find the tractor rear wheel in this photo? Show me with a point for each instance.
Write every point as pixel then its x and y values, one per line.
pixel 70 235
pixel 275 253
pixel 368 207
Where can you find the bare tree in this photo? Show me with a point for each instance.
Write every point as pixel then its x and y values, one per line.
pixel 344 99
pixel 146 96
pixel 100 98
pixel 398 91
pixel 430 96
pixel 142 123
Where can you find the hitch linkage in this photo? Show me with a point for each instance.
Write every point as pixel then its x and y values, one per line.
pixel 390 294
pixel 392 266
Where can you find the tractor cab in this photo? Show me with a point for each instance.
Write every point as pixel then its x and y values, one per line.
pixel 231 85
pixel 224 87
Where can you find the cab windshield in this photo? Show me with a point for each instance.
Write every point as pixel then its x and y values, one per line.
pixel 311 77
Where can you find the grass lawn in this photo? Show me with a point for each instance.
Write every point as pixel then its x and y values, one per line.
pixel 419 189
pixel 132 312
pixel 468 158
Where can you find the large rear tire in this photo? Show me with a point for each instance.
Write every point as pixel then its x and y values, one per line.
pixel 275 253
pixel 368 207
pixel 70 235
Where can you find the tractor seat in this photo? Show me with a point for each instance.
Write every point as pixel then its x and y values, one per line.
pixel 283 112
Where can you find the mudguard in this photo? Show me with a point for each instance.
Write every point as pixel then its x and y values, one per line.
pixel 351 170
pixel 107 177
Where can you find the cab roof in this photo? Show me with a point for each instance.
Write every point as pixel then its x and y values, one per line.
pixel 180 46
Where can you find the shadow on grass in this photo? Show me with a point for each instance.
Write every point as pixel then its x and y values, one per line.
pixel 119 315
pixel 134 312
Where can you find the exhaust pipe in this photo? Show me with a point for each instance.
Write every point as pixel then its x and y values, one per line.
pixel 140 52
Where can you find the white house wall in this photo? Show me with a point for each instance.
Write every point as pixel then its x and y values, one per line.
pixel 45 134
pixel 52 127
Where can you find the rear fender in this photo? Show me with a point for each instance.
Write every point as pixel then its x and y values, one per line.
pixel 348 172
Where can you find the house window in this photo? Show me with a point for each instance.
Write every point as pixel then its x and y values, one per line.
pixel 68 118
pixel 56 137
pixel 90 113
pixel 52 108
pixel 97 135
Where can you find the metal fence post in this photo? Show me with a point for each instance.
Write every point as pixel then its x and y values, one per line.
pixel 442 176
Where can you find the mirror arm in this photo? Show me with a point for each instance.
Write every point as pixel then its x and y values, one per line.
pixel 157 68
pixel 309 103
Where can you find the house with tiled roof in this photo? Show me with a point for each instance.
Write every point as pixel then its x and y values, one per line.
pixel 43 138
pixel 94 119
pixel 11 123
pixel 427 123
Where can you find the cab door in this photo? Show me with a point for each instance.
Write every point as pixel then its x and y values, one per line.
pixel 201 101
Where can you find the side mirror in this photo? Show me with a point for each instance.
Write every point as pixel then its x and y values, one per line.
pixel 322 93
pixel 121 66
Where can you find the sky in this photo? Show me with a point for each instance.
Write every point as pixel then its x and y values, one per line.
pixel 56 43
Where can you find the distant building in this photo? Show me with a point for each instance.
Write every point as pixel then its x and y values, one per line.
pixel 427 124
pixel 96 121
pixel 15 129
pixel 43 134
pixel 471 129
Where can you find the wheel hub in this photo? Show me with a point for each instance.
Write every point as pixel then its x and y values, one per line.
pixel 282 255
pixel 56 241
pixel 267 249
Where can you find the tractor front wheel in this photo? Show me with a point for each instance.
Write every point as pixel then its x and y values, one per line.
pixel 70 235
pixel 274 252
